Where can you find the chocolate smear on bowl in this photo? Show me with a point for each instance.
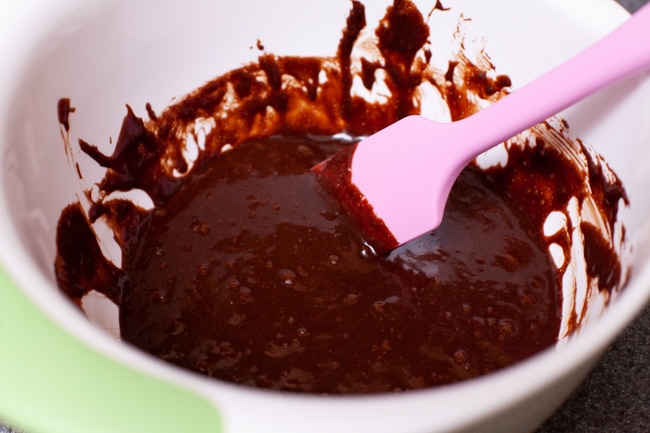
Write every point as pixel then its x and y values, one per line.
pixel 244 270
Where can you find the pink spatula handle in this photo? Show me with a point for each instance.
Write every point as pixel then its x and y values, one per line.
pixel 623 52
pixel 405 172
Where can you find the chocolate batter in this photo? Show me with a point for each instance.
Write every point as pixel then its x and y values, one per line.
pixel 246 271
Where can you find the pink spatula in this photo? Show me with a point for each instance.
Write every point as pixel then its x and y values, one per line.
pixel 396 182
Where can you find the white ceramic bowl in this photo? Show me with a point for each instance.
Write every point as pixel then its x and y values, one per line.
pixel 58 373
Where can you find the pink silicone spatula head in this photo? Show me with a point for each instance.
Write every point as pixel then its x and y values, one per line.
pixel 396 182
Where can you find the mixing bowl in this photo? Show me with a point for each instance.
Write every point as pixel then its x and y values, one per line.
pixel 60 372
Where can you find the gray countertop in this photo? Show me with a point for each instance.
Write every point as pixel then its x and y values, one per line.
pixel 615 397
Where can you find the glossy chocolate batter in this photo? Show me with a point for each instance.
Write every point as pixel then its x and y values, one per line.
pixel 251 275
pixel 246 271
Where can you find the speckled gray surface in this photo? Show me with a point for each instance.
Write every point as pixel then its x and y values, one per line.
pixel 615 397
